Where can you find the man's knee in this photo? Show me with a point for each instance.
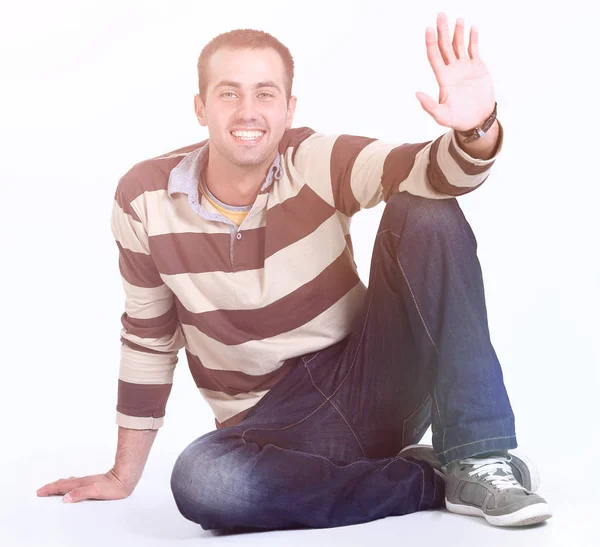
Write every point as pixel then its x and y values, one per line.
pixel 210 485
pixel 425 216
pixel 190 488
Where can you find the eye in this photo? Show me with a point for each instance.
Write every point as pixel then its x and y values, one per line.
pixel 228 95
pixel 265 95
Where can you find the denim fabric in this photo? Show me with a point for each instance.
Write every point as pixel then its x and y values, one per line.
pixel 321 448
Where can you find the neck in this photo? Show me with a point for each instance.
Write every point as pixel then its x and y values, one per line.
pixel 232 184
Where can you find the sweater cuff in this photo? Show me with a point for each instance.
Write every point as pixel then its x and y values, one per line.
pixel 456 150
pixel 135 422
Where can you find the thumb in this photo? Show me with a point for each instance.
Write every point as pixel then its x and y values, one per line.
pixel 435 110
pixel 81 493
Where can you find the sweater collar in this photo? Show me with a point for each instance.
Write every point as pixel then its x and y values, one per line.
pixel 184 178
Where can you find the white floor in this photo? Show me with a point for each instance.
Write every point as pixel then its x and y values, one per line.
pixel 149 517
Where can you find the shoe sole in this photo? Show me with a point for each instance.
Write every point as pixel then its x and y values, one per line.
pixel 532 514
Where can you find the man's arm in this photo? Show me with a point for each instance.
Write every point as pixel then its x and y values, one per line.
pixel 466 95
pixel 150 338
pixel 352 172
pixel 485 147
pixel 151 335
pixel 133 448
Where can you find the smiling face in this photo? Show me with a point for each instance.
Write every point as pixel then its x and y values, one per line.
pixel 246 108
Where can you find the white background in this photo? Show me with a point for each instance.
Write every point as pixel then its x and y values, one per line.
pixel 88 89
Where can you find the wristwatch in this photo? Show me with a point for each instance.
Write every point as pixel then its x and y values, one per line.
pixel 478 132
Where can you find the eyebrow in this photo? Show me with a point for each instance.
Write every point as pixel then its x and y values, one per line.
pixel 237 85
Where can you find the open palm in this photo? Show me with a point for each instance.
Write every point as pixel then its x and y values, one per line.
pixel 466 97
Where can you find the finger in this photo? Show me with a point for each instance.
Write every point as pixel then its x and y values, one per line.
pixel 437 111
pixel 82 493
pixel 444 39
pixel 458 43
pixel 474 43
pixel 428 104
pixel 433 53
pixel 61 486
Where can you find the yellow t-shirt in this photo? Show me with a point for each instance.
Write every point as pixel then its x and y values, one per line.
pixel 237 217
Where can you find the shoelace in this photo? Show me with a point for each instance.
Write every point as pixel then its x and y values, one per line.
pixel 486 468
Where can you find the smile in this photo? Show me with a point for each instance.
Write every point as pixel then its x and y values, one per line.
pixel 248 135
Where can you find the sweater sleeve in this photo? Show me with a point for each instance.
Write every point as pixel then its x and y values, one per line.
pixel 353 173
pixel 151 335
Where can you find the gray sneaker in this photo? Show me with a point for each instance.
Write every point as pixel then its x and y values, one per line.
pixel 486 487
pixel 523 469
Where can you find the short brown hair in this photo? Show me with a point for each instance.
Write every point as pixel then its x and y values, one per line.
pixel 244 39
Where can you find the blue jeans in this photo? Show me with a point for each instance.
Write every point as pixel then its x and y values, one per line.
pixel 321 448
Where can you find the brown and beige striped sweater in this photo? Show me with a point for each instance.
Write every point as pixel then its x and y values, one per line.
pixel 244 301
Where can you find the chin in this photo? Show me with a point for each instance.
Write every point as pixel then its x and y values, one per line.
pixel 251 158
pixel 248 162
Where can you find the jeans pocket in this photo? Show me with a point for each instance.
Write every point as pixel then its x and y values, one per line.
pixel 416 424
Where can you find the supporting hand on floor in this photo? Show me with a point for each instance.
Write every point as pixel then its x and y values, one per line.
pixel 107 486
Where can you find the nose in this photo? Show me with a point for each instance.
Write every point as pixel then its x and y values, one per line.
pixel 247 110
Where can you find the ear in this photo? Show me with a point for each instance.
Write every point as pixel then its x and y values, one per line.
pixel 291 110
pixel 200 110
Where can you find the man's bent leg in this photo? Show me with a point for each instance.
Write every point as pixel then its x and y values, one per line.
pixel 423 335
pixel 224 481
pixel 421 342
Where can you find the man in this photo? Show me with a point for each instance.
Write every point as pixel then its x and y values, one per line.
pixel 238 249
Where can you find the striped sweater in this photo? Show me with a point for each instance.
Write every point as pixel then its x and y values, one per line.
pixel 243 301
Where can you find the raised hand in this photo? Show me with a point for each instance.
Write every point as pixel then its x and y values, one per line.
pixel 466 97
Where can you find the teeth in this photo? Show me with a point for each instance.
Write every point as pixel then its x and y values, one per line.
pixel 248 135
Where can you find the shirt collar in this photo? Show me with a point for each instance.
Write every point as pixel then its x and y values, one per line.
pixel 184 178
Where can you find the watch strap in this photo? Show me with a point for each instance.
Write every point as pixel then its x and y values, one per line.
pixel 480 131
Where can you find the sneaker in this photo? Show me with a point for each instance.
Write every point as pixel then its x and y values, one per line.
pixel 487 487
pixel 422 452
pixel 523 469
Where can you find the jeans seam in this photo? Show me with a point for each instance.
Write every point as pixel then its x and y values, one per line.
pixel 417 409
pixel 412 294
pixel 362 335
pixel 422 485
pixel 306 362
pixel 328 399
pixel 412 463
pixel 418 308
pixel 437 406
pixel 477 442
pixel 289 426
